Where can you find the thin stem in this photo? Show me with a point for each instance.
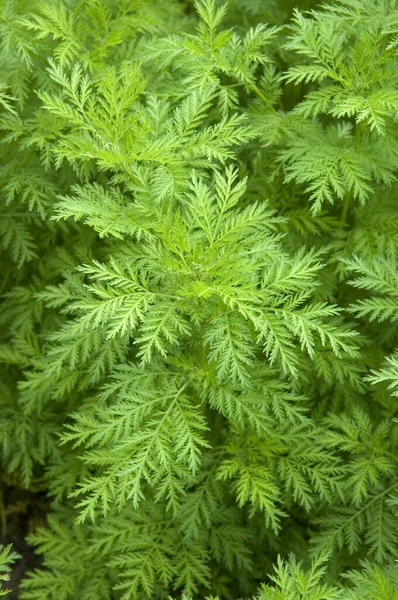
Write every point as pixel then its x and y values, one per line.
pixel 4 282
pixel 366 506
pixel 347 201
pixel 202 356
pixel 349 197
pixel 387 453
pixel 78 7
pixel 261 96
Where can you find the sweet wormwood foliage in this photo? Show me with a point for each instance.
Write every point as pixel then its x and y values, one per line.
pixel 6 559
pixel 199 238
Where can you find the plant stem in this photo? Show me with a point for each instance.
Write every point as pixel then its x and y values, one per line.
pixel 4 282
pixel 202 356
pixel 389 454
pixel 349 196
pixel 347 201
pixel 78 7
pixel 260 95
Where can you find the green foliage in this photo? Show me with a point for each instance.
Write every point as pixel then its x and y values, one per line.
pixel 199 305
pixel 6 559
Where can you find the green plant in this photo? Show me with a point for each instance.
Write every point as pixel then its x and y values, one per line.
pixel 199 298
pixel 6 559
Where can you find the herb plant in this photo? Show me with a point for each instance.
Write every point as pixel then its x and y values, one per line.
pixel 199 297
pixel 6 558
